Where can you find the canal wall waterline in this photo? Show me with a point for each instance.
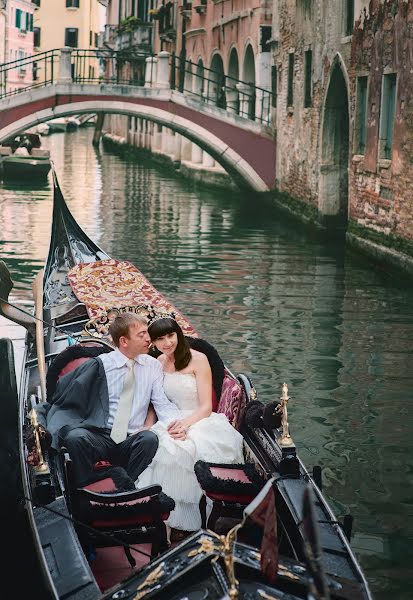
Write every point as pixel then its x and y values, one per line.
pixel 382 250
pixel 391 252
pixel 185 168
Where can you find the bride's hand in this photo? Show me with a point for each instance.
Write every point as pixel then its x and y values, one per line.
pixel 177 430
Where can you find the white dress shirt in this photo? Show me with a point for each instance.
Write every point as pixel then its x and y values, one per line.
pixel 148 388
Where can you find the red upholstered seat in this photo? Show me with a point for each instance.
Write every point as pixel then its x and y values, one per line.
pixel 230 487
pixel 72 365
pixel 116 512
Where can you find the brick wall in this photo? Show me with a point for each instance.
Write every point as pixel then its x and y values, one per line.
pixel 381 191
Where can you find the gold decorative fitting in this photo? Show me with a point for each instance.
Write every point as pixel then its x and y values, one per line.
pixel 151 579
pixel 253 393
pixel 285 439
pixel 41 466
pixel 206 546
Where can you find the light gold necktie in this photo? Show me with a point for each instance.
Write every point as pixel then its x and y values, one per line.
pixel 121 421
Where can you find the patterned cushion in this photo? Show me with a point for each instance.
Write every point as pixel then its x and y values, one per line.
pixel 232 400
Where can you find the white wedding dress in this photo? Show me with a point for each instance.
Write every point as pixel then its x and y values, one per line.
pixel 212 439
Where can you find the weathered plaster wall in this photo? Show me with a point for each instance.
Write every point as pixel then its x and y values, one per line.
pixel 381 199
pixel 301 26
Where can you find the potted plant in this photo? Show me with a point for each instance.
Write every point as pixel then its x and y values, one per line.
pixel 129 24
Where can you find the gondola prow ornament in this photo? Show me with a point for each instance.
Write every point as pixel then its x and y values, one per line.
pixel 285 439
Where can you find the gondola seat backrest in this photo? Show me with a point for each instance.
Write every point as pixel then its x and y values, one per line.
pixel 232 401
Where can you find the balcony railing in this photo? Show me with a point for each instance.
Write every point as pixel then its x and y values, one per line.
pixel 139 39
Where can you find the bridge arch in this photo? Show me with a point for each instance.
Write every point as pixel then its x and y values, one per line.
pixel 240 169
pixel 335 147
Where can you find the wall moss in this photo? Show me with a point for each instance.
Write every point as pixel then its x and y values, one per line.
pixel 389 241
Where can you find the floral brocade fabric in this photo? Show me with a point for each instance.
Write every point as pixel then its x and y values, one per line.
pixel 110 284
pixel 232 400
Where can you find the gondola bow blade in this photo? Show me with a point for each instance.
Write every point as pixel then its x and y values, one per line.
pixel 262 512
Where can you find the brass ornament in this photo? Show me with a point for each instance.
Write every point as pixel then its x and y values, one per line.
pixel 41 466
pixel 285 439
pixel 146 586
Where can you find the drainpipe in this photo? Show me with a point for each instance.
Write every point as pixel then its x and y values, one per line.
pixel 182 55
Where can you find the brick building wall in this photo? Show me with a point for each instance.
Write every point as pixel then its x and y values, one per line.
pixel 381 187
pixel 301 28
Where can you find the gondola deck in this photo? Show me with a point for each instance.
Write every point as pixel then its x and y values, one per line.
pixel 204 565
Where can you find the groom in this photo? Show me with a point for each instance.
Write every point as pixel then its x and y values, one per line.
pixel 100 410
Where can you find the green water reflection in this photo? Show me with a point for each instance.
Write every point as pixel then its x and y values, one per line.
pixel 279 304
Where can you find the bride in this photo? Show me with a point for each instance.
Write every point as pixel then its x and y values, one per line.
pixel 199 435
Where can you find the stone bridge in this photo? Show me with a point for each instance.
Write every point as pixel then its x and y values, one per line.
pixel 244 148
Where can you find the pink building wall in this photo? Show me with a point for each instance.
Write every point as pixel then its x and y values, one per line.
pixel 229 37
pixel 19 42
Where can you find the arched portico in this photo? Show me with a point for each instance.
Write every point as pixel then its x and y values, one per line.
pixel 248 77
pixel 233 73
pixel 217 85
pixel 333 197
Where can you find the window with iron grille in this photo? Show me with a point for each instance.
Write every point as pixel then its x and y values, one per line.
pixel 388 100
pixel 348 16
pixel 360 121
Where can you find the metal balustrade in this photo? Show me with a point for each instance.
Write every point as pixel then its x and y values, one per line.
pixel 143 70
pixel 238 97
pixel 44 71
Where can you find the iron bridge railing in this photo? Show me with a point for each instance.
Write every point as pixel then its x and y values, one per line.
pixel 130 68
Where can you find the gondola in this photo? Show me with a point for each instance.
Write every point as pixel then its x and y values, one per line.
pixel 271 533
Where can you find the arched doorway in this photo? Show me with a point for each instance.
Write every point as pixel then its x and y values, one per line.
pixel 232 80
pixel 216 82
pixel 248 77
pixel 198 81
pixel 333 202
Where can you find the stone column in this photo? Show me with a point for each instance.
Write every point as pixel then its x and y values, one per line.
pixel 232 100
pixel 207 160
pixel 263 99
pixel 162 79
pixel 186 149
pixel 151 71
pixel 178 147
pixel 157 137
pixel 164 142
pixel 65 66
pixel 196 154
pixel 245 94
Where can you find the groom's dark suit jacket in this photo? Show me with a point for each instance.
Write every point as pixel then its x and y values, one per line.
pixel 81 399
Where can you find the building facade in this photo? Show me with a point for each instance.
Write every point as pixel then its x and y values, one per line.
pixel 18 43
pixel 221 53
pixel 381 167
pixel 68 23
pixel 341 72
pixel 3 15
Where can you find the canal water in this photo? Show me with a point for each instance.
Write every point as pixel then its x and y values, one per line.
pixel 279 303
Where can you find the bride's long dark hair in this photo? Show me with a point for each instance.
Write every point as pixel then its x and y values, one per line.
pixel 161 327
